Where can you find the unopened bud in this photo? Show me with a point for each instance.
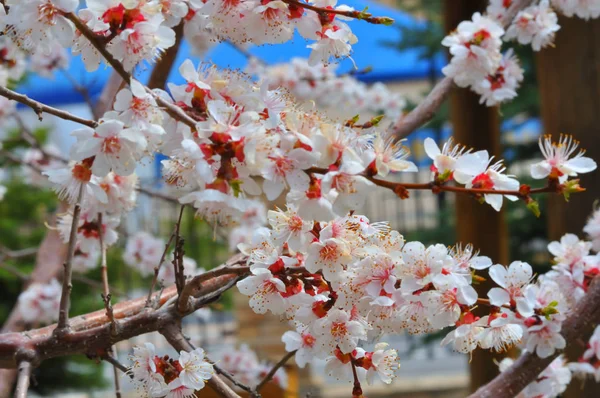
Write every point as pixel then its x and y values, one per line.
pixel 533 206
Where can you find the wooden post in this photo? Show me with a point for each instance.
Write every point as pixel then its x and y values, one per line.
pixel 476 126
pixel 569 82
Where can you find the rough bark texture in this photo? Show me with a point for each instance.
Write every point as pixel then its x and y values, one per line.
pixel 578 326
pixel 569 81
pixel 476 126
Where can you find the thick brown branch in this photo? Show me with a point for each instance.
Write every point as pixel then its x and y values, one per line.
pixel 40 108
pixel 91 333
pixel 427 109
pixel 196 284
pixel 578 326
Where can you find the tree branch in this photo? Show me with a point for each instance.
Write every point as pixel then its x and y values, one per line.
pixel 91 333
pixel 164 255
pixel 23 379
pixel 274 369
pixel 578 326
pixel 40 108
pixel 175 337
pixel 196 284
pixel 65 297
pixel 173 110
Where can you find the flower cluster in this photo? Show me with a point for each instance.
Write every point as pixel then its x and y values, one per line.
pixel 167 377
pixel 344 282
pixel 136 31
pixel 321 84
pixel 589 363
pixel 477 62
pixel 536 24
pixel 39 302
pixel 475 45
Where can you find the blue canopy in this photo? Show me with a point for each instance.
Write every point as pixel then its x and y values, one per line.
pixel 387 63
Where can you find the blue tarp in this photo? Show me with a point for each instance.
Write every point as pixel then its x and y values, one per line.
pixel 388 64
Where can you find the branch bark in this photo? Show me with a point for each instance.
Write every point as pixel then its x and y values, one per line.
pixel 65 297
pixel 23 379
pixel 578 326
pixel 91 333
pixel 40 108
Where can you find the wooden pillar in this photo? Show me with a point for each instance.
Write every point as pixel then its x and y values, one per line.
pixel 476 126
pixel 569 82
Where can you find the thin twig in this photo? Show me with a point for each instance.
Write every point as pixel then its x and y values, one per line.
pixel 274 370
pixel 173 110
pixel 40 108
pixel 164 255
pixel 117 365
pixel 104 272
pixel 116 373
pixel 67 286
pixel 23 379
pixel 83 91
pixel 362 15
pixel 232 379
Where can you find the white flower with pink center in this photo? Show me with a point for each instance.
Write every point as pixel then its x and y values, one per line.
pixel 543 337
pixel 264 291
pixel 195 369
pixel 474 170
pixel 114 147
pixel 382 363
pixel 444 307
pixel 444 160
pixel 330 255
pixel 421 265
pixel 512 291
pixel 337 329
pixel 502 332
pixel 561 159
pixel 288 227
pixel 303 343
pixel 286 169
pixel 40 302
pixel 570 250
